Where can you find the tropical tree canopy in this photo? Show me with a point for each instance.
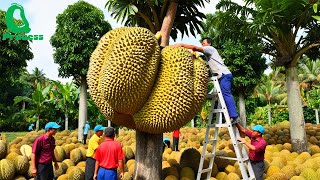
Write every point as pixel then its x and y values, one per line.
pixel 151 13
pixel 78 30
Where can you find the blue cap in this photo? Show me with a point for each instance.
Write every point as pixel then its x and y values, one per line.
pixel 32 125
pixel 51 125
pixel 258 128
pixel 98 128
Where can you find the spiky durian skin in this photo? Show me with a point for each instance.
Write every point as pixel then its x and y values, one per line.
pixel 122 72
pixel 172 101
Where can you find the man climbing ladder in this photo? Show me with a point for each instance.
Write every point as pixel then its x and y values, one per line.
pixel 217 66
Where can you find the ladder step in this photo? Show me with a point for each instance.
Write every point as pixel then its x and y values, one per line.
pixel 205 170
pixel 210 141
pixel 209 155
pixel 217 110
pixel 232 158
pixel 222 125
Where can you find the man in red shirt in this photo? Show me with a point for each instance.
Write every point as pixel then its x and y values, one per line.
pixel 109 156
pixel 175 144
pixel 257 148
pixel 43 153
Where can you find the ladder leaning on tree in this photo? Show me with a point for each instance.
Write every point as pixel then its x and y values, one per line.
pixel 218 107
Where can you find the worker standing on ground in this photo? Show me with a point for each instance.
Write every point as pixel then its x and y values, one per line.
pixel 30 128
pixel 166 143
pixel 218 67
pixel 86 128
pixel 43 153
pixel 175 143
pixel 109 156
pixel 257 148
pixel 94 143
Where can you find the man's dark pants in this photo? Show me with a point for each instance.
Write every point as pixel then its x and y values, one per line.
pixel 44 172
pixel 166 143
pixel 85 138
pixel 175 144
pixel 258 169
pixel 89 171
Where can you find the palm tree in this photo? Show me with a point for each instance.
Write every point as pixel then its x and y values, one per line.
pixel 65 97
pixel 309 72
pixel 270 91
pixel 167 16
pixel 37 76
pixel 39 99
pixel 279 22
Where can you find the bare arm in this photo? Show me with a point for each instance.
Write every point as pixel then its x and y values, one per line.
pixel 33 164
pixel 121 165
pixel 188 46
pixel 96 167
pixel 240 128
pixel 250 146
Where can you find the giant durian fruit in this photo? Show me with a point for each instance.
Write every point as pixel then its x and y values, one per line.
pixel 177 95
pixel 125 84
pixel 122 71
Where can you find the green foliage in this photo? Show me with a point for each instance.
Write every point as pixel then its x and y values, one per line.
pixel 13 54
pixel 243 56
pixel 151 13
pixel 79 28
pixel 314 98
pixel 278 23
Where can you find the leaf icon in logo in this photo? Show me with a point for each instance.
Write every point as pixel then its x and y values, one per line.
pixel 12 26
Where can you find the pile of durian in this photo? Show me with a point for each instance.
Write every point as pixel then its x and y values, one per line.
pixel 138 85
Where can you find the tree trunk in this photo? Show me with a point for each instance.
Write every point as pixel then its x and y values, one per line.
pixel 82 108
pixel 109 123
pixel 192 122
pixel 297 125
pixel 37 122
pixel 242 108
pixel 66 121
pixel 269 114
pixel 148 159
pixel 168 23
pixel 317 116
pixel 23 105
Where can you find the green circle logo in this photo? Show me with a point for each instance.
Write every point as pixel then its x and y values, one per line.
pixel 12 26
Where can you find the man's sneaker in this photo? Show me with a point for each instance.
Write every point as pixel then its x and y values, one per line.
pixel 235 120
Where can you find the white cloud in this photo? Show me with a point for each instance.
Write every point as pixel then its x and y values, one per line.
pixel 42 18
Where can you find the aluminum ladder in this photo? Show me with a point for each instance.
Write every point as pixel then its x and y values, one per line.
pixel 218 107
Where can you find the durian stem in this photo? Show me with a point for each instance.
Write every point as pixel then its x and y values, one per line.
pixel 158 35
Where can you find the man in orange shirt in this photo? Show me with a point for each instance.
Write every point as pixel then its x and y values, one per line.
pixel 175 144
pixel 109 156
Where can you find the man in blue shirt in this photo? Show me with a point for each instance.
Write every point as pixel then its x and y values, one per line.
pixel 85 132
pixel 166 142
pixel 30 128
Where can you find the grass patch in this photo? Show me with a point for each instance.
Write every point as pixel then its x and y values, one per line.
pixel 12 135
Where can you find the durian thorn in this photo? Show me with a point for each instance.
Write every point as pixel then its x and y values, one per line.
pixel 158 35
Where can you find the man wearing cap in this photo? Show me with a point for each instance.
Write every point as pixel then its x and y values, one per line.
pixel 43 153
pixel 166 143
pixel 30 128
pixel 94 143
pixel 257 148
pixel 86 128
pixel 109 156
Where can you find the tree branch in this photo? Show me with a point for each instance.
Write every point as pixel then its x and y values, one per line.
pixel 148 21
pixel 164 5
pixel 301 52
pixel 168 23
pixel 155 16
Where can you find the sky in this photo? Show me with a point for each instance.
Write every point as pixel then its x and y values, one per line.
pixel 41 15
